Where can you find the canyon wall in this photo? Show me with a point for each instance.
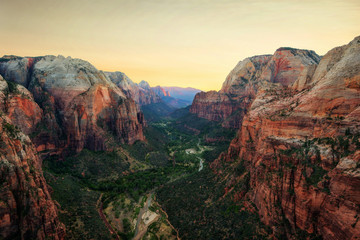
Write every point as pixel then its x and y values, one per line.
pixel 299 145
pixel 52 105
pixel 26 208
pixel 79 105
pixel 287 66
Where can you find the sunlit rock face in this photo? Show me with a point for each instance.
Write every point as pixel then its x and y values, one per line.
pixel 230 103
pixel 64 105
pixel 19 105
pixel 26 208
pixel 287 66
pixel 141 93
pixel 300 144
pixel 161 91
pixel 79 103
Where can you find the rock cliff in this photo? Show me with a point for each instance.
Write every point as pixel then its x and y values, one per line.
pixel 161 91
pixel 79 104
pixel 287 66
pixel 299 146
pixel 26 208
pixel 141 93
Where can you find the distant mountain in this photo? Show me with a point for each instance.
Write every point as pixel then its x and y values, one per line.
pixel 140 93
pixel 176 102
pixel 161 91
pixel 176 97
pixel 157 97
pixel 187 94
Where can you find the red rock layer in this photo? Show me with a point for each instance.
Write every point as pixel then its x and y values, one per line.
pixel 26 208
pixel 290 67
pixel 79 104
pixel 89 117
pixel 20 107
pixel 161 91
pixel 302 150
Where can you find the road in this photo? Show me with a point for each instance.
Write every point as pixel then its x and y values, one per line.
pixel 139 234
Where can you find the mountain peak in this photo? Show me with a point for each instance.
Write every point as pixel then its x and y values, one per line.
pixel 144 84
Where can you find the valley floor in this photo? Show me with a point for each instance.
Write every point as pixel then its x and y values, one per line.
pixel 115 195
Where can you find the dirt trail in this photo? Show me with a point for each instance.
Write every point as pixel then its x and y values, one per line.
pixel 100 210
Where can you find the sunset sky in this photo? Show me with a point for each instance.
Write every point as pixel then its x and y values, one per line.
pixel 173 42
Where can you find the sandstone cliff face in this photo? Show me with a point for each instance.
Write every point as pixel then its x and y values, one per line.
pixel 26 208
pixel 141 93
pixel 79 104
pixel 288 67
pixel 301 149
pixel 18 103
pixel 161 91
pixel 230 103
pixel 291 67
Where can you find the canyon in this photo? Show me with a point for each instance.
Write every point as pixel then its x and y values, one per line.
pixel 298 139
pixel 279 151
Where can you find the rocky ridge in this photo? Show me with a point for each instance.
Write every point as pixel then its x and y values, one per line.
pixel 64 105
pixel 141 93
pixel 79 104
pixel 287 66
pixel 26 208
pixel 299 145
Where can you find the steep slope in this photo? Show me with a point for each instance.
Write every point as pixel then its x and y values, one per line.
pixel 300 146
pixel 230 103
pixel 80 104
pixel 288 66
pixel 152 102
pixel 141 93
pixel 26 208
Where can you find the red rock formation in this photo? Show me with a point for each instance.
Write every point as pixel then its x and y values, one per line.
pixel 206 105
pixel 161 91
pixel 79 103
pixel 302 150
pixel 100 110
pixel 22 109
pixel 289 67
pixel 230 103
pixel 26 208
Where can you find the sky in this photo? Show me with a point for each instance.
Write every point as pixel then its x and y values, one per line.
pixel 186 43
